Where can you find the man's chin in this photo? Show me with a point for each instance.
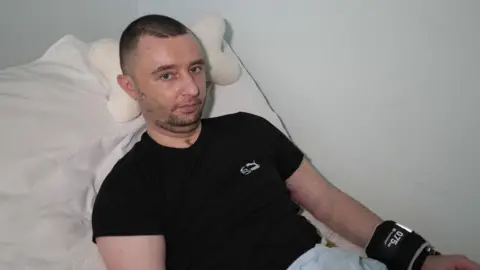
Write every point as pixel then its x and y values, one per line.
pixel 186 120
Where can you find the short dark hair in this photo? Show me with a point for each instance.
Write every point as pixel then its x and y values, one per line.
pixel 151 25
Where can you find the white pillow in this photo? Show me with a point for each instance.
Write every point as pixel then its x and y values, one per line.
pixel 58 143
pixel 243 95
pixel 210 29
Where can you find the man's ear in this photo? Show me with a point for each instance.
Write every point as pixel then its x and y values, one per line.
pixel 126 83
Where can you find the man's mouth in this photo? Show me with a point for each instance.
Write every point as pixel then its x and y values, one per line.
pixel 190 107
pixel 191 104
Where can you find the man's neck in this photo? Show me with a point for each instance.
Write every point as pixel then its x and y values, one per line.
pixel 174 139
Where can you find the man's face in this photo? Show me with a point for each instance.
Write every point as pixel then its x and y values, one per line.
pixel 169 81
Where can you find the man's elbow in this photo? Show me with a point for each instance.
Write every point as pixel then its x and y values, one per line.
pixel 309 189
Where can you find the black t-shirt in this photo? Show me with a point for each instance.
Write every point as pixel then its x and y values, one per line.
pixel 220 204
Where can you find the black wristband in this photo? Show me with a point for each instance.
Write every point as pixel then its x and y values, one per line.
pixel 422 257
pixel 420 260
pixel 398 247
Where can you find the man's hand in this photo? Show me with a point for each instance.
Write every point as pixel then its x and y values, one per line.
pixel 449 262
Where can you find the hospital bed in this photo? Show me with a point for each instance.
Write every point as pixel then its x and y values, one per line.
pixel 59 141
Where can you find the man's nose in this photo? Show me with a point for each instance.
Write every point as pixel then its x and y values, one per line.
pixel 190 85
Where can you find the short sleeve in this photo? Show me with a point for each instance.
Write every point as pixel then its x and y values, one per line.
pixel 288 155
pixel 127 205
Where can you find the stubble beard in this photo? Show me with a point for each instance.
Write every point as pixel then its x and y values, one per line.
pixel 178 124
pixel 174 123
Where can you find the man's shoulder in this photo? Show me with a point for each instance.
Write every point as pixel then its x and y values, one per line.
pixel 239 119
pixel 126 171
pixel 130 161
pixel 235 116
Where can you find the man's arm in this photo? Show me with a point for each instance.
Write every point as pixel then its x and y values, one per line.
pixel 132 252
pixel 331 206
pixel 349 218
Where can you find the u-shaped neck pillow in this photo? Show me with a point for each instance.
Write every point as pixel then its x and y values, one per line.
pixel 210 30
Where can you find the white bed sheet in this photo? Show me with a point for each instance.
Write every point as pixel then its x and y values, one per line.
pixel 57 145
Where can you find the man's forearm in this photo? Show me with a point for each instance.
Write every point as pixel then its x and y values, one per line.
pixel 347 217
pixel 332 207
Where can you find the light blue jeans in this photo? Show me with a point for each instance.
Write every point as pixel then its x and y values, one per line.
pixel 324 258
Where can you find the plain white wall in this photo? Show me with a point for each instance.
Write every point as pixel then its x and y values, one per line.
pixel 28 28
pixel 382 95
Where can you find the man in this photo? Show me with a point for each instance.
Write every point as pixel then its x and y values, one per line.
pixel 219 193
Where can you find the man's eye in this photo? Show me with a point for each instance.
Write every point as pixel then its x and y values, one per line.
pixel 196 69
pixel 166 76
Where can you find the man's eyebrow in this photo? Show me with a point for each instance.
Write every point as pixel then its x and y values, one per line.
pixel 162 68
pixel 200 61
pixel 159 69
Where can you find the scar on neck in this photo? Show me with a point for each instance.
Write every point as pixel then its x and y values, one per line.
pixel 189 142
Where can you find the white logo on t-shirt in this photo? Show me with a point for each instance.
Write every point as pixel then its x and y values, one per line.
pixel 249 167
